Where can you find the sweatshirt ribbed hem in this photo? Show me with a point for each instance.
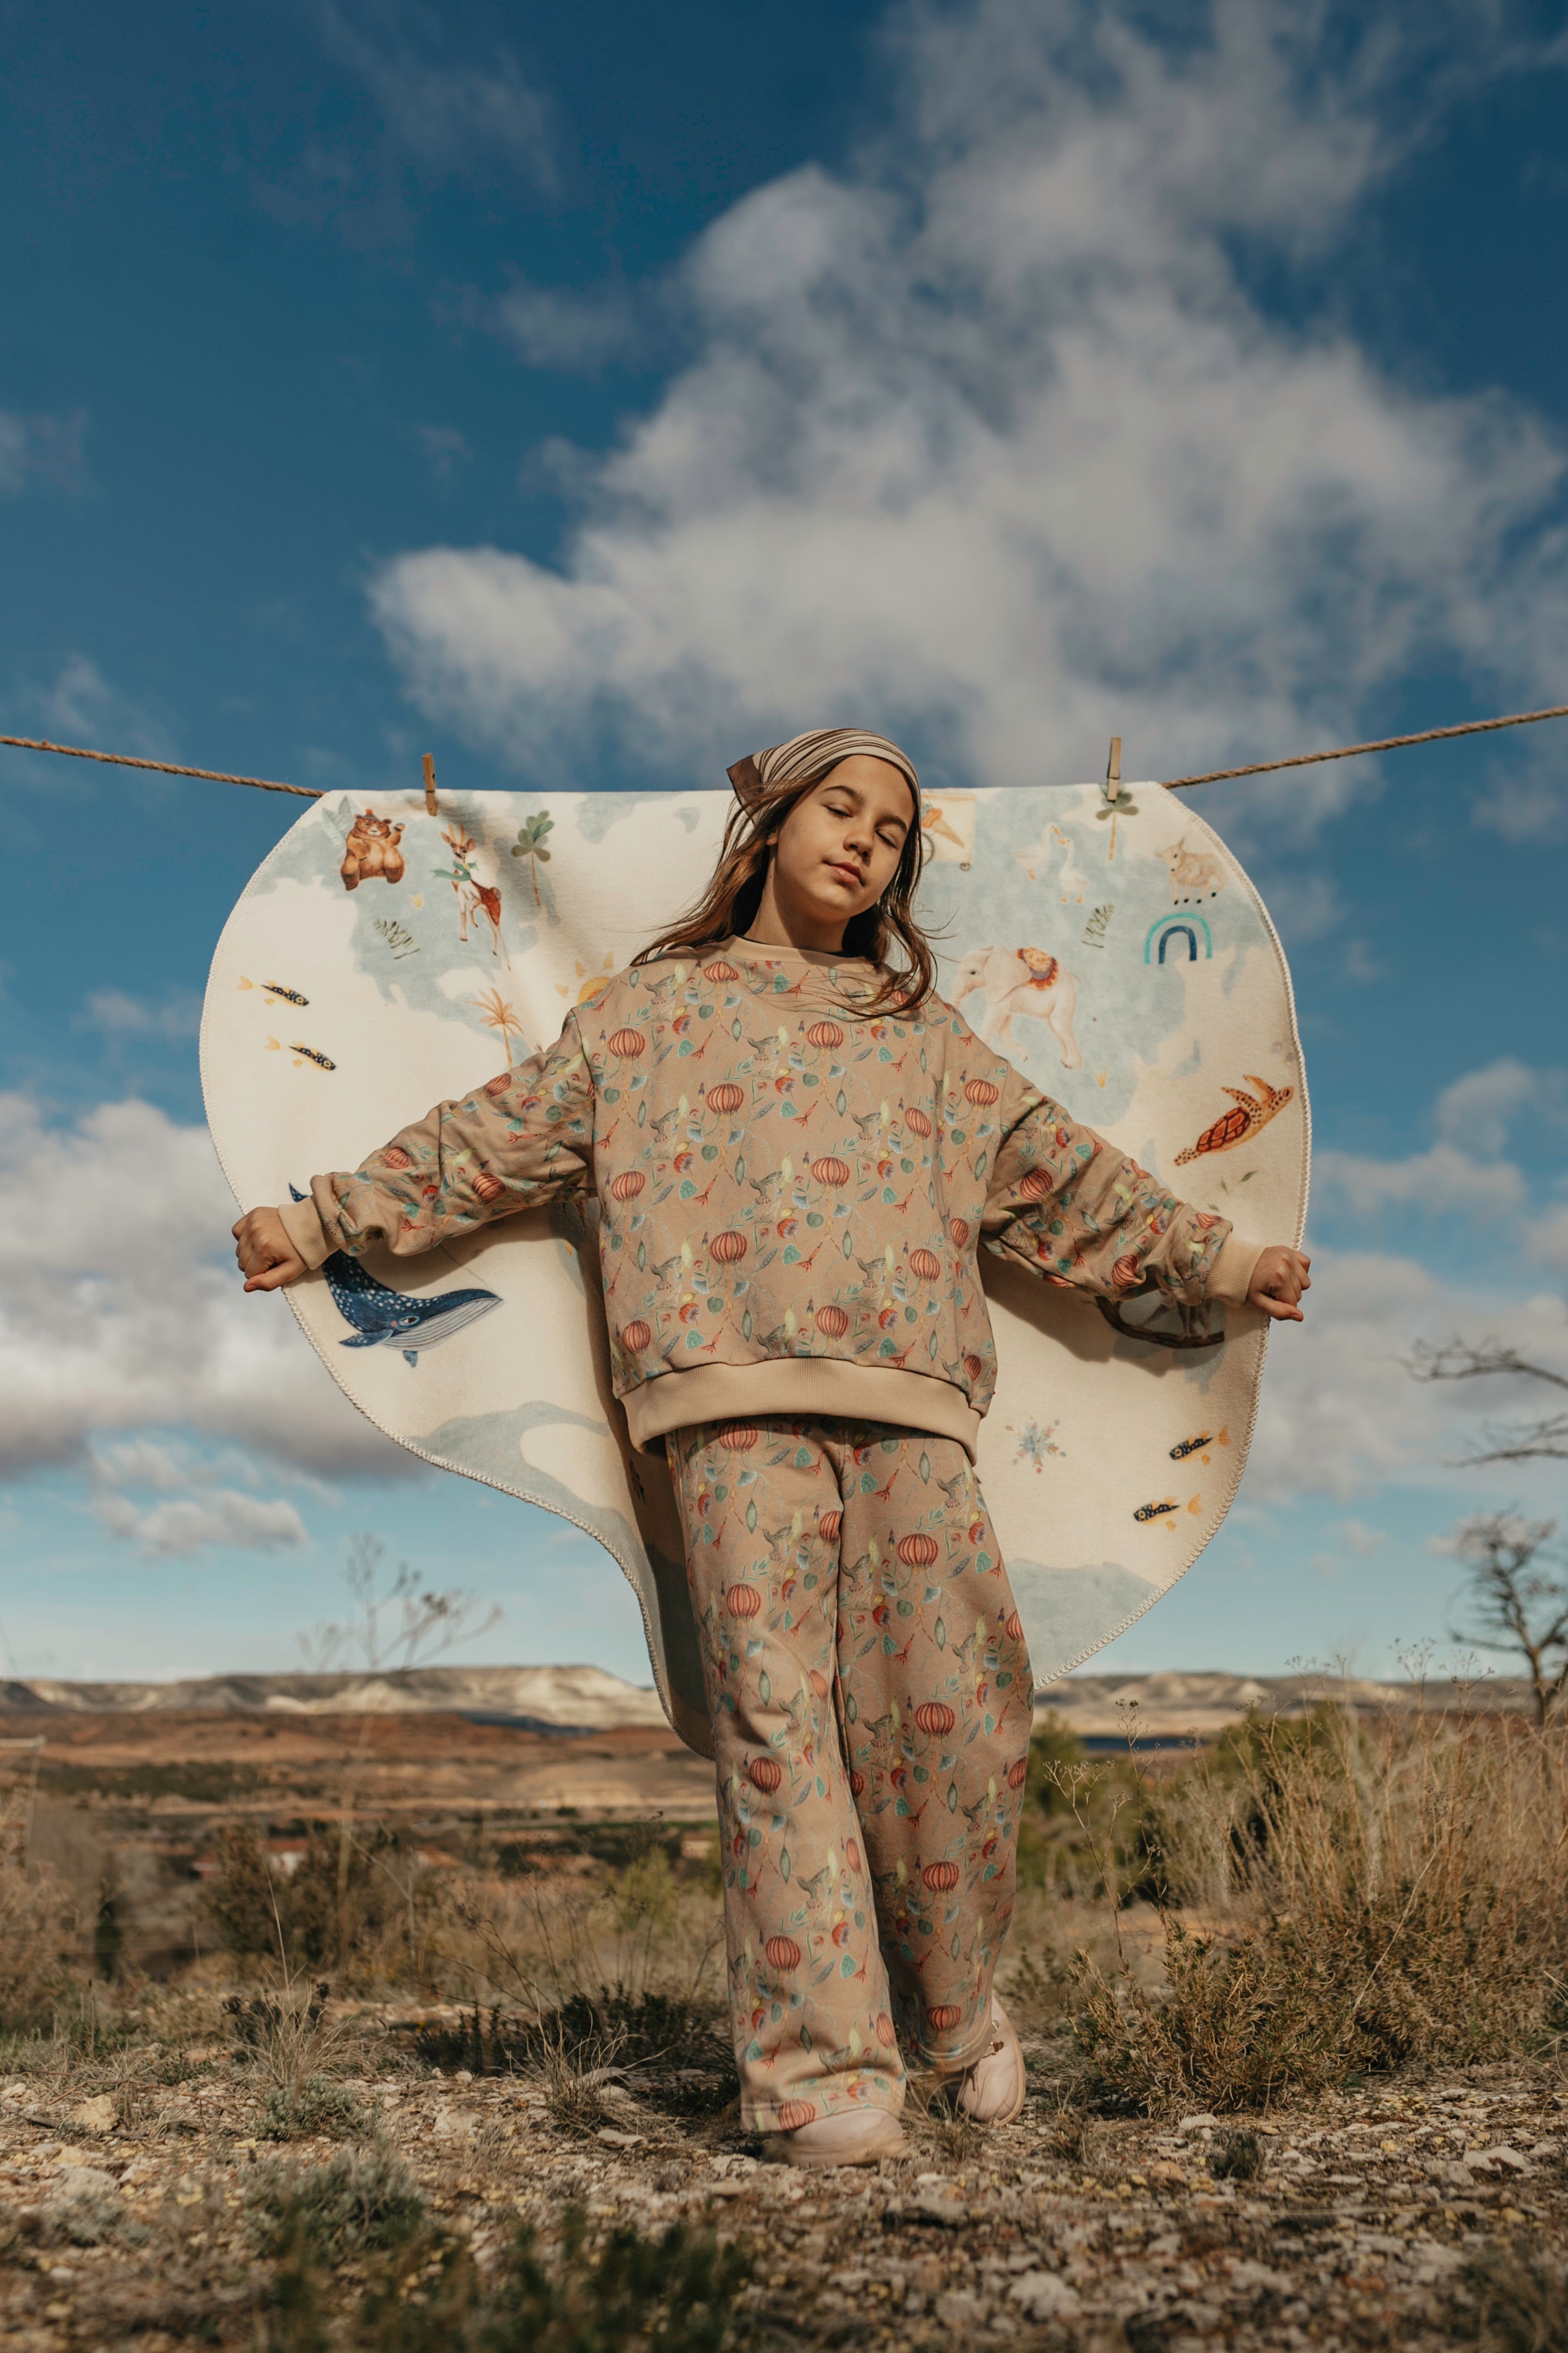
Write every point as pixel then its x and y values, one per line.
pixel 1230 1277
pixel 302 1224
pixel 822 1387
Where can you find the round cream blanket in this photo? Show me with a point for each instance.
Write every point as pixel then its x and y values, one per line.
pixel 382 959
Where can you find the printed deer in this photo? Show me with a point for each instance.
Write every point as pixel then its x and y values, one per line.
pixel 476 901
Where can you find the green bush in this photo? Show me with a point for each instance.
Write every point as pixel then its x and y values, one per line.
pixel 358 2203
pixel 627 2293
pixel 316 2106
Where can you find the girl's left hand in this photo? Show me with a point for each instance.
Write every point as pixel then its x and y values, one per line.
pixel 1277 1282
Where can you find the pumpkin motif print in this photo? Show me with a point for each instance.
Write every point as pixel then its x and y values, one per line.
pixel 780 1171
pixel 870 1692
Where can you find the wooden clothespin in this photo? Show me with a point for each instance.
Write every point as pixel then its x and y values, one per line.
pixel 429 765
pixel 1113 771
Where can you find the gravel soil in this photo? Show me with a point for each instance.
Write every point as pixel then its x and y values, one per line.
pixel 1358 2221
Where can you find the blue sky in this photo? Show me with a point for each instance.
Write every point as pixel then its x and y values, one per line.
pixel 587 397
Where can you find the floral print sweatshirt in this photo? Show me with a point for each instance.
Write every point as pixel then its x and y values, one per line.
pixel 789 1188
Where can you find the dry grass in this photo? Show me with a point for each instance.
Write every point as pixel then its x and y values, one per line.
pixel 1370 1895
pixel 1515 2301
pixel 38 1928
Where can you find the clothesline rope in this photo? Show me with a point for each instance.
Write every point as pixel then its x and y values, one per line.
pixel 1384 743
pixel 1173 784
pixel 164 767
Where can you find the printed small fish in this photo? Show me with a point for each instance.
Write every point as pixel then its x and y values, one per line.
pixel 1179 1452
pixel 384 1318
pixel 273 989
pixel 310 1054
pixel 1166 1504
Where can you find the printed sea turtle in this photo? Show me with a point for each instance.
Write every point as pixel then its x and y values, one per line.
pixel 1251 1113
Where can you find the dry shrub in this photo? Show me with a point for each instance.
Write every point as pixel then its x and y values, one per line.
pixel 1515 2300
pixel 629 1959
pixel 1373 1892
pixel 38 1928
pixel 288 2035
pixel 360 1903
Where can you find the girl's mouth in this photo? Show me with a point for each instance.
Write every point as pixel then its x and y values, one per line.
pixel 850 874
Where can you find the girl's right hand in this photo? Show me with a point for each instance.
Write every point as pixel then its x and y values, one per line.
pixel 267 1259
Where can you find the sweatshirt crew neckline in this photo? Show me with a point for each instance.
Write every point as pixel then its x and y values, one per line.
pixel 824 959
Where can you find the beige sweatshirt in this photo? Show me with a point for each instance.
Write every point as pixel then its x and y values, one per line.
pixel 789 1192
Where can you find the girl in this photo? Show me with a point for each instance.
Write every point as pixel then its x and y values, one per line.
pixel 860 1641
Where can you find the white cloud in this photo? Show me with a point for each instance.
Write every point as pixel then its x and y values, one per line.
pixel 1549 1240
pixel 458 120
pixel 1443 1178
pixel 1304 906
pixel 1476 1110
pixel 435 114
pixel 1341 1414
pixel 40 448
pixel 444 444
pixel 118 1315
pixel 1474 1117
pixel 987 440
pixel 556 327
pixel 195 1511
pixel 80 702
pixel 189 1524
pixel 1528 800
pixel 110 1010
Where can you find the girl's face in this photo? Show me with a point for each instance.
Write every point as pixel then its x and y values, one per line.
pixel 839 847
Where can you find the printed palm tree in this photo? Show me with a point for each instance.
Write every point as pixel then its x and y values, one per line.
pixel 530 844
pixel 497 1014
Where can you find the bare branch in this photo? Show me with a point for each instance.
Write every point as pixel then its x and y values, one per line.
pixel 1533 1442
pixel 1461 1360
pixel 1518 1607
pixel 429 1622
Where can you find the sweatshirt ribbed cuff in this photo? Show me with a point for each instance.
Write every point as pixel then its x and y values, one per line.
pixel 1231 1277
pixel 303 1227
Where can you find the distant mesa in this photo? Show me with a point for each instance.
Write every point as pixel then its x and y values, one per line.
pixel 553 1699
pixel 1176 1704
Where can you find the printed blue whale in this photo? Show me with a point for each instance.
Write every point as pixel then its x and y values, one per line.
pixel 384 1318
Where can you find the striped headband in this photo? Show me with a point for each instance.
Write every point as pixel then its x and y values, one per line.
pixel 805 759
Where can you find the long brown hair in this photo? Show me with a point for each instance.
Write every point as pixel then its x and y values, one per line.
pixel 735 893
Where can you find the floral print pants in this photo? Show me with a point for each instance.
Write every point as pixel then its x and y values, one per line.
pixel 871 1701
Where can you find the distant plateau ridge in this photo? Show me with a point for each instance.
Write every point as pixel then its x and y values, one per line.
pixel 1101 1708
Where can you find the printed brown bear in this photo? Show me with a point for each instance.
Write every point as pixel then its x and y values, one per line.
pixel 371 850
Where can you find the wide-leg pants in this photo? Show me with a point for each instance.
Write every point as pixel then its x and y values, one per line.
pixel 871 1701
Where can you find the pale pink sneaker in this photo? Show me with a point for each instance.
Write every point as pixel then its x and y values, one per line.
pixel 994 2090
pixel 858 2136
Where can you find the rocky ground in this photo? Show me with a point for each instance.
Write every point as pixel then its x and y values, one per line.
pixel 134 2191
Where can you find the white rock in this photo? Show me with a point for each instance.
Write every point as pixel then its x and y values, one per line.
pixel 1197 2123
pixel 99 2115
pixel 1491 2158
pixel 1043 2297
pixel 84 2181
pixel 1246 2273
pixel 450 2122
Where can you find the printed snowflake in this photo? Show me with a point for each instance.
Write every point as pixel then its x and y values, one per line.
pixel 1035 1443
